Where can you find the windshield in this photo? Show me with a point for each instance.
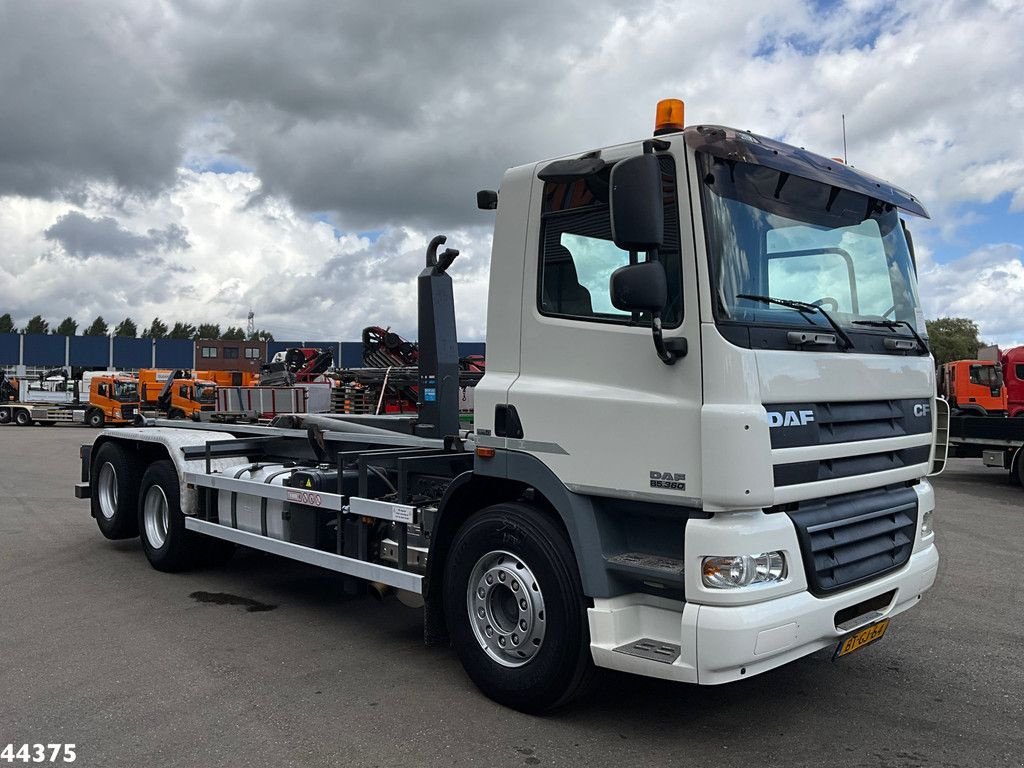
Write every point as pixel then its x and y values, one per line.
pixel 126 391
pixel 773 234
pixel 206 393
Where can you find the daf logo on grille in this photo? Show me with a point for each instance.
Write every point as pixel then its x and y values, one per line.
pixel 790 418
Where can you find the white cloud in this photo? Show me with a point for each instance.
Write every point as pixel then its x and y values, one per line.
pixel 390 123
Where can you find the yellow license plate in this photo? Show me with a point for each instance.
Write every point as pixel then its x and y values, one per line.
pixel 864 637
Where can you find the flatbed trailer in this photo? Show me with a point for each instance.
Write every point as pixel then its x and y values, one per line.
pixel 45 414
pixel 997 441
pixel 696 494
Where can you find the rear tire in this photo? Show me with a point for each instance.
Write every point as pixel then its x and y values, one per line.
pixel 168 546
pixel 1017 469
pixel 22 418
pixel 5 415
pixel 115 492
pixel 531 658
pixel 175 413
pixel 95 418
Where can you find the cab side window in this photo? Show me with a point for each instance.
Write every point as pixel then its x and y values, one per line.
pixel 102 391
pixel 578 256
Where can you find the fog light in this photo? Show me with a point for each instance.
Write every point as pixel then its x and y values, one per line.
pixel 743 570
pixel 926 523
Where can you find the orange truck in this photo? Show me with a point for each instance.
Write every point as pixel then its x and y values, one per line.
pixel 973 387
pixel 153 380
pixel 113 399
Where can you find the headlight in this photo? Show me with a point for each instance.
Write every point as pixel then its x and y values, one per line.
pixel 743 570
pixel 926 523
pixel 117 413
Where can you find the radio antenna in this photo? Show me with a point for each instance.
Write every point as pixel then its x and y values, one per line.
pixel 845 160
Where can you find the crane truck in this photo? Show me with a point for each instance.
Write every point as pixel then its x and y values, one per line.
pixel 700 448
pixel 112 399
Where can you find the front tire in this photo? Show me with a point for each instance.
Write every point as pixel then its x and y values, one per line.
pixel 515 608
pixel 95 418
pixel 22 418
pixel 115 493
pixel 168 545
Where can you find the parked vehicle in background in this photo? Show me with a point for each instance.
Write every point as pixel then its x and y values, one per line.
pixel 973 387
pixel 113 399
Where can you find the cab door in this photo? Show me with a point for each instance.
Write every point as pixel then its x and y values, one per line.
pixel 593 401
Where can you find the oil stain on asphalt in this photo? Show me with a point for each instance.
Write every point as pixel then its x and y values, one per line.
pixel 223 598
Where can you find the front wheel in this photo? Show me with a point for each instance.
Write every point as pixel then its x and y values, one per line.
pixel 94 418
pixel 22 418
pixel 515 608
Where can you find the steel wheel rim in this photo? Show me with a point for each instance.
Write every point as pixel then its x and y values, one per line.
pixel 506 608
pixel 156 516
pixel 107 483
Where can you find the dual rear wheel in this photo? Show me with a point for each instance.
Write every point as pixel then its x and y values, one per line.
pixel 129 500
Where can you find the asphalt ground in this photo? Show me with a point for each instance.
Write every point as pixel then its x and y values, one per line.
pixel 99 650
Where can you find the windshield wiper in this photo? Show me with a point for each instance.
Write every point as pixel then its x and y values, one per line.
pixel 892 325
pixel 804 308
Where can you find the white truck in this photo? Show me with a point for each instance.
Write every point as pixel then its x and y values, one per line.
pixel 700 447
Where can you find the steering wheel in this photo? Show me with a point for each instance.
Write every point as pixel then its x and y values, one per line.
pixel 833 304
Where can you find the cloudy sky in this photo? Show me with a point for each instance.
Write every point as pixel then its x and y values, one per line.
pixel 195 159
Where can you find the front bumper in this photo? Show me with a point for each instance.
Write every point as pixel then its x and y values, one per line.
pixel 719 644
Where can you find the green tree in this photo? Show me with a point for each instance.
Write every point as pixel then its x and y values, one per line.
pixel 953 338
pixel 67 327
pixel 261 335
pixel 99 327
pixel 37 325
pixel 157 329
pixel 7 323
pixel 234 334
pixel 126 328
pixel 182 331
pixel 208 331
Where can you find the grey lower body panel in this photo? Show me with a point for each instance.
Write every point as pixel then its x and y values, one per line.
pixel 411 582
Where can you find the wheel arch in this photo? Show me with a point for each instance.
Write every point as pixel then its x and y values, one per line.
pixel 527 479
pixel 154 444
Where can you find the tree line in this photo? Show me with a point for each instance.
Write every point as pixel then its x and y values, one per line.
pixel 127 328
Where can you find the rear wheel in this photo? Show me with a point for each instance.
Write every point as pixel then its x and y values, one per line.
pixel 115 492
pixel 175 413
pixel 22 418
pixel 515 608
pixel 5 415
pixel 94 418
pixel 1017 469
pixel 168 546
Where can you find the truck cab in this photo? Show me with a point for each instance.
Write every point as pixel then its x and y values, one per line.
pixel 740 400
pixel 112 400
pixel 189 397
pixel 1012 361
pixel 974 387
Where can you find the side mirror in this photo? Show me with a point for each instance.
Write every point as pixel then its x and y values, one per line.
pixel 644 288
pixel 637 208
pixel 639 287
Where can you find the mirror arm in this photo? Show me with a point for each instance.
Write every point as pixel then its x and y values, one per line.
pixel 672 350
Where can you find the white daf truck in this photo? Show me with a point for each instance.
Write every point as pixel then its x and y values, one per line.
pixel 700 446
